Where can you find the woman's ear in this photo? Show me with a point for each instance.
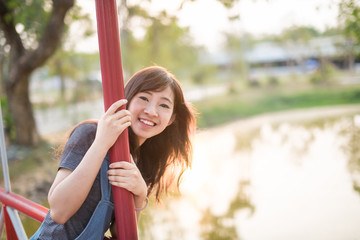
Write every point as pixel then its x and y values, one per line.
pixel 172 119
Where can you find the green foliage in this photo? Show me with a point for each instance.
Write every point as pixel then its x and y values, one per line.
pixel 164 43
pixel 30 17
pixel 203 74
pixel 349 17
pixel 235 46
pixel 8 121
pixel 273 81
pixel 323 75
pixel 228 3
pixel 300 33
pixel 70 64
pixel 75 15
pixel 253 83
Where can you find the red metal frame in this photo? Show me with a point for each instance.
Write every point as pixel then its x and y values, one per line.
pixel 10 231
pixel 113 90
pixel 23 205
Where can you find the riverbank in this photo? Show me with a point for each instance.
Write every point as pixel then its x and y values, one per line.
pixel 252 102
pixel 297 115
pixel 251 125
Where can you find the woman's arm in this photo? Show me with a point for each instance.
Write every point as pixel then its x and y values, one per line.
pixel 70 188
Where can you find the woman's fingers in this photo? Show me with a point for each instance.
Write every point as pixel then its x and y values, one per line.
pixel 123 169
pixel 127 175
pixel 121 117
pixel 113 123
pixel 121 164
pixel 115 106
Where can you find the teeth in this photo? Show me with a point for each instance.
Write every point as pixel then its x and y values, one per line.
pixel 147 122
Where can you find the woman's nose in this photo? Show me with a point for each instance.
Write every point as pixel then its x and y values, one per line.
pixel 151 110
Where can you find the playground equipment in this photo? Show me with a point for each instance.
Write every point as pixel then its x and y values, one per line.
pixel 12 203
pixel 113 90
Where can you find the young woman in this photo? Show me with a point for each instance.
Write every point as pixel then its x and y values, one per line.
pixel 161 124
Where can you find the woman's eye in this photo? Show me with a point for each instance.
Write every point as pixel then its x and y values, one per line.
pixel 143 98
pixel 164 105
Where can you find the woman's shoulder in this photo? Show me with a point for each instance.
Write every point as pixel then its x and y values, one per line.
pixel 84 131
pixel 86 127
pixel 80 139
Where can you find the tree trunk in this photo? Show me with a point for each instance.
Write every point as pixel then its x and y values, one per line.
pixel 59 70
pixel 351 61
pixel 23 62
pixel 20 107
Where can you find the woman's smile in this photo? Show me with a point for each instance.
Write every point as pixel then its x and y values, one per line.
pixel 146 122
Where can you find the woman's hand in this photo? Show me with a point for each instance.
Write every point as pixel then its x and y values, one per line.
pixel 112 124
pixel 127 175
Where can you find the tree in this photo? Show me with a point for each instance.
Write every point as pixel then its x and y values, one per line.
pixel 349 21
pixel 235 46
pixel 167 44
pixel 164 42
pixel 349 18
pixel 65 62
pixel 33 30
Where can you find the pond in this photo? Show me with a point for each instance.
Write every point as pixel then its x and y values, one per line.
pixel 267 179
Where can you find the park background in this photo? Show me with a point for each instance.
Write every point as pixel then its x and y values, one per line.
pixel 276 84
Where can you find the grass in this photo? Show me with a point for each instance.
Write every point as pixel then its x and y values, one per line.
pixel 27 160
pixel 224 109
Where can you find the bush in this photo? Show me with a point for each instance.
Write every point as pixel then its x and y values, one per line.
pixel 8 121
pixel 323 75
pixel 273 81
pixel 254 83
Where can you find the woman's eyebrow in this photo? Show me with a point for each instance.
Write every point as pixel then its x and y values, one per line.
pixel 167 99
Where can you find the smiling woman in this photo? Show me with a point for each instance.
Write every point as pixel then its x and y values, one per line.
pixel 160 126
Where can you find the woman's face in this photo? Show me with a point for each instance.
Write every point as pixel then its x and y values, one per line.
pixel 151 113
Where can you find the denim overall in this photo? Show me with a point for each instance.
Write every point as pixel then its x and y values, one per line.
pixel 101 218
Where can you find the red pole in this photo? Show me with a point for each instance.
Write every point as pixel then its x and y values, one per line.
pixel 10 231
pixel 23 205
pixel 113 90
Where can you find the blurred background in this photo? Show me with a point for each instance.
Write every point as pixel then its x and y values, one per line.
pixel 276 84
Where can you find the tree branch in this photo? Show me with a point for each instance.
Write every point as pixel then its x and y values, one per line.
pixel 10 33
pixel 51 37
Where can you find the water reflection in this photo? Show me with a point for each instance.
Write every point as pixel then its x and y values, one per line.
pixel 274 181
pixel 353 151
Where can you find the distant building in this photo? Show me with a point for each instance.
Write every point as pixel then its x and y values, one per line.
pixel 289 58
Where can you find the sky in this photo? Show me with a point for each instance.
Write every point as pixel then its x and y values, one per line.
pixel 208 19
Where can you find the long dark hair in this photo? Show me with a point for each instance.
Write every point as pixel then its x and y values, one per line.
pixel 164 157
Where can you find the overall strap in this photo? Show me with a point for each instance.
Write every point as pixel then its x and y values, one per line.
pixel 105 185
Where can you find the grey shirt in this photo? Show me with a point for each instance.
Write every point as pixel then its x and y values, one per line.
pixel 79 142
